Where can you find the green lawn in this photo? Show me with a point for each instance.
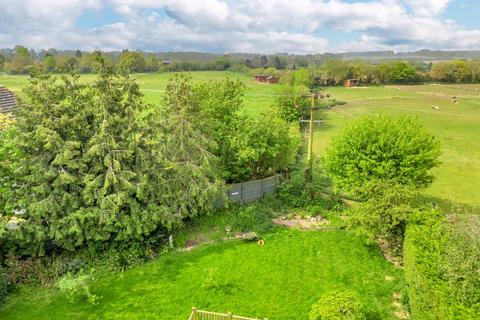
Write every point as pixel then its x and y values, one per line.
pixel 280 280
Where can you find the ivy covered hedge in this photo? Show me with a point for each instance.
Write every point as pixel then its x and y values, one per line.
pixel 442 267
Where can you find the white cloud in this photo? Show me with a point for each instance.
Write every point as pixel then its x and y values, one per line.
pixel 428 7
pixel 236 25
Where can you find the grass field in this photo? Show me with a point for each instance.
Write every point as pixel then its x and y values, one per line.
pixel 257 96
pixel 456 125
pixel 280 280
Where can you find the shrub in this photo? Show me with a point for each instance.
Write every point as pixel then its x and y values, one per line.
pixel 253 217
pixel 385 214
pixel 298 192
pixel 9 163
pixel 442 263
pixel 338 306
pixel 103 258
pixel 77 286
pixel 250 236
pixel 3 285
pixel 35 271
pixel 246 148
pixel 115 257
pixel 382 149
pixel 260 147
pixel 289 104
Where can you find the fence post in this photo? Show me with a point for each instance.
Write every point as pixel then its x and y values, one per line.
pixel 241 192
pixel 261 188
pixel 230 316
pixel 194 312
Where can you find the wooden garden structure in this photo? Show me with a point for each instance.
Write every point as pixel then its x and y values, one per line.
pixel 351 83
pixel 207 315
pixel 8 103
pixel 266 79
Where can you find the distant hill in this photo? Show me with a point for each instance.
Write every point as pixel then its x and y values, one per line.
pixel 421 55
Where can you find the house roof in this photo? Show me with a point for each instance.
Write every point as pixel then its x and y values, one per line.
pixel 8 104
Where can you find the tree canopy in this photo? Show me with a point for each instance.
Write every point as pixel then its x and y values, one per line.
pixel 20 61
pixel 246 148
pixel 132 61
pixel 382 149
pixel 95 169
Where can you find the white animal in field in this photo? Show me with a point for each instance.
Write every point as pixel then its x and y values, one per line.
pixel 435 107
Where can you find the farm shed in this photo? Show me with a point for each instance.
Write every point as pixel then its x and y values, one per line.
pixel 8 104
pixel 351 83
pixel 266 79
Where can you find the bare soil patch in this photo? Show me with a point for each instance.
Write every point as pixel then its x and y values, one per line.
pixel 304 223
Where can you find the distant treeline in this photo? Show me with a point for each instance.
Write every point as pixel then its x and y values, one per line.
pixel 319 69
pixel 334 72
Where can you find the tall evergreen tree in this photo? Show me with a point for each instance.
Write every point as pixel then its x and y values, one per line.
pixel 95 169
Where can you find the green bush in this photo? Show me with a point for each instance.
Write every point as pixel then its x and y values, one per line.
pixel 115 257
pixel 246 147
pixel 259 147
pixel 254 217
pixel 382 149
pixel 338 306
pixel 9 163
pixel 385 214
pixel 77 286
pixel 289 104
pixel 442 263
pixel 35 271
pixel 103 257
pixel 298 192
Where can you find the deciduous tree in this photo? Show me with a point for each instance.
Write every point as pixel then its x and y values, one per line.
pixel 20 61
pixel 382 149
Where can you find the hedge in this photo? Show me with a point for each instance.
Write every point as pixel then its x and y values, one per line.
pixel 342 305
pixel 442 267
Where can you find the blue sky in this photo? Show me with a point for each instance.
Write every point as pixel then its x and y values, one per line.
pixel 267 26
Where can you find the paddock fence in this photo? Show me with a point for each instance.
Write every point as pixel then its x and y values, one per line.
pixel 207 315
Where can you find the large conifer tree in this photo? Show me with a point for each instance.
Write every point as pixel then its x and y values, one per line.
pixel 101 165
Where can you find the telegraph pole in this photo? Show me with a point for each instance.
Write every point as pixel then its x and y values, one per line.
pixel 310 132
pixel 308 172
pixel 312 96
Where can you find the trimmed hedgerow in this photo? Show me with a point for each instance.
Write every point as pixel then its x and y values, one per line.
pixel 442 263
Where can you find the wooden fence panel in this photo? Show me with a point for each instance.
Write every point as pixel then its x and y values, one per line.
pixel 253 190
pixel 207 315
pixel 235 192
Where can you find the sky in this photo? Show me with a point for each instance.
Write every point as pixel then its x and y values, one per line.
pixel 256 26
